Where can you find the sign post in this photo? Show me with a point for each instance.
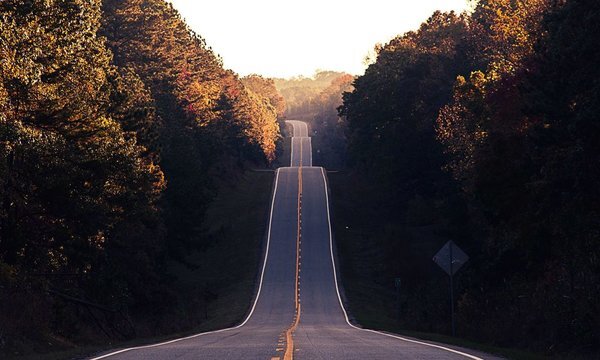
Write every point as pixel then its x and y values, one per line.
pixel 451 258
pixel 398 285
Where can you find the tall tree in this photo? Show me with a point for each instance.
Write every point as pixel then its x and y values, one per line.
pixel 266 88
pixel 209 124
pixel 76 189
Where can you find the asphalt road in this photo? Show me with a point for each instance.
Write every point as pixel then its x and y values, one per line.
pixel 301 152
pixel 301 148
pixel 298 276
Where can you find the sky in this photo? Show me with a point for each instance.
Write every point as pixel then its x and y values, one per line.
pixel 284 38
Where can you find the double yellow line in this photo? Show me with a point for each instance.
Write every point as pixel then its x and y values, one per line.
pixel 289 340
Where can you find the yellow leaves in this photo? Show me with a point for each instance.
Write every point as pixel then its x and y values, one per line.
pixel 480 135
pixel 203 94
pixel 512 28
pixel 199 98
pixel 261 122
pixel 460 81
pixel 104 126
pixel 159 182
pixel 469 90
pixel 56 258
pixel 478 80
pixel 97 240
pixel 3 100
pixel 266 88
pixel 114 188
pixel 460 125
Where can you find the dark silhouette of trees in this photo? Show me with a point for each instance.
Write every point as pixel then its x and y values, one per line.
pixel 505 100
pixel 117 123
pixel 210 123
pixel 328 128
pixel 392 110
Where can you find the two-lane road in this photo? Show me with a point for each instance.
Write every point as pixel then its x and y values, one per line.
pixel 301 149
pixel 298 275
pixel 258 337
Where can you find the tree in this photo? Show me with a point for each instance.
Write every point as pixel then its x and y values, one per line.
pixel 513 91
pixel 76 187
pixel 390 113
pixel 266 88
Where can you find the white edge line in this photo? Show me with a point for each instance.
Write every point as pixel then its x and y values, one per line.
pixel 291 122
pixel 292 155
pixel 300 137
pixel 262 274
pixel 340 298
pixel 311 153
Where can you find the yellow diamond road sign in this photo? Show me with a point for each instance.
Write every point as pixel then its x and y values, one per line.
pixel 450 258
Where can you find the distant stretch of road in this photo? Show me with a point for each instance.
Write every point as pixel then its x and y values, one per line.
pixel 298 312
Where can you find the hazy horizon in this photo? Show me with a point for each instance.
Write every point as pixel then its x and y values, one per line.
pixel 275 39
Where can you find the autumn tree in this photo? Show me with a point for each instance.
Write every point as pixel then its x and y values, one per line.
pixel 209 124
pixel 76 188
pixel 390 113
pixel 117 124
pixel 300 93
pixel 266 88
pixel 408 203
pixel 514 126
pixel 328 128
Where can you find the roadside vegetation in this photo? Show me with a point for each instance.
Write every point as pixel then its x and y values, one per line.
pixel 480 128
pixel 315 100
pixel 218 280
pixel 128 208
pixel 125 148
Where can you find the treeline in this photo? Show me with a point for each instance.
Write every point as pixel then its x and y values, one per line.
pixel 483 128
pixel 117 123
pixel 327 128
pixel 316 100
pixel 302 93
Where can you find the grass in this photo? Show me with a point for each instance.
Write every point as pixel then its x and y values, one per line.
pixel 370 302
pixel 227 270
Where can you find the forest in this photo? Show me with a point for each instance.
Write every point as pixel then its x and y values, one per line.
pixel 481 128
pixel 117 126
pixel 315 100
pixel 120 128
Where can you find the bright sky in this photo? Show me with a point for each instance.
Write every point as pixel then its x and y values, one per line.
pixel 283 38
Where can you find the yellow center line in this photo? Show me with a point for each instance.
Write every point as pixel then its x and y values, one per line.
pixel 300 153
pixel 298 235
pixel 289 348
pixel 289 340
